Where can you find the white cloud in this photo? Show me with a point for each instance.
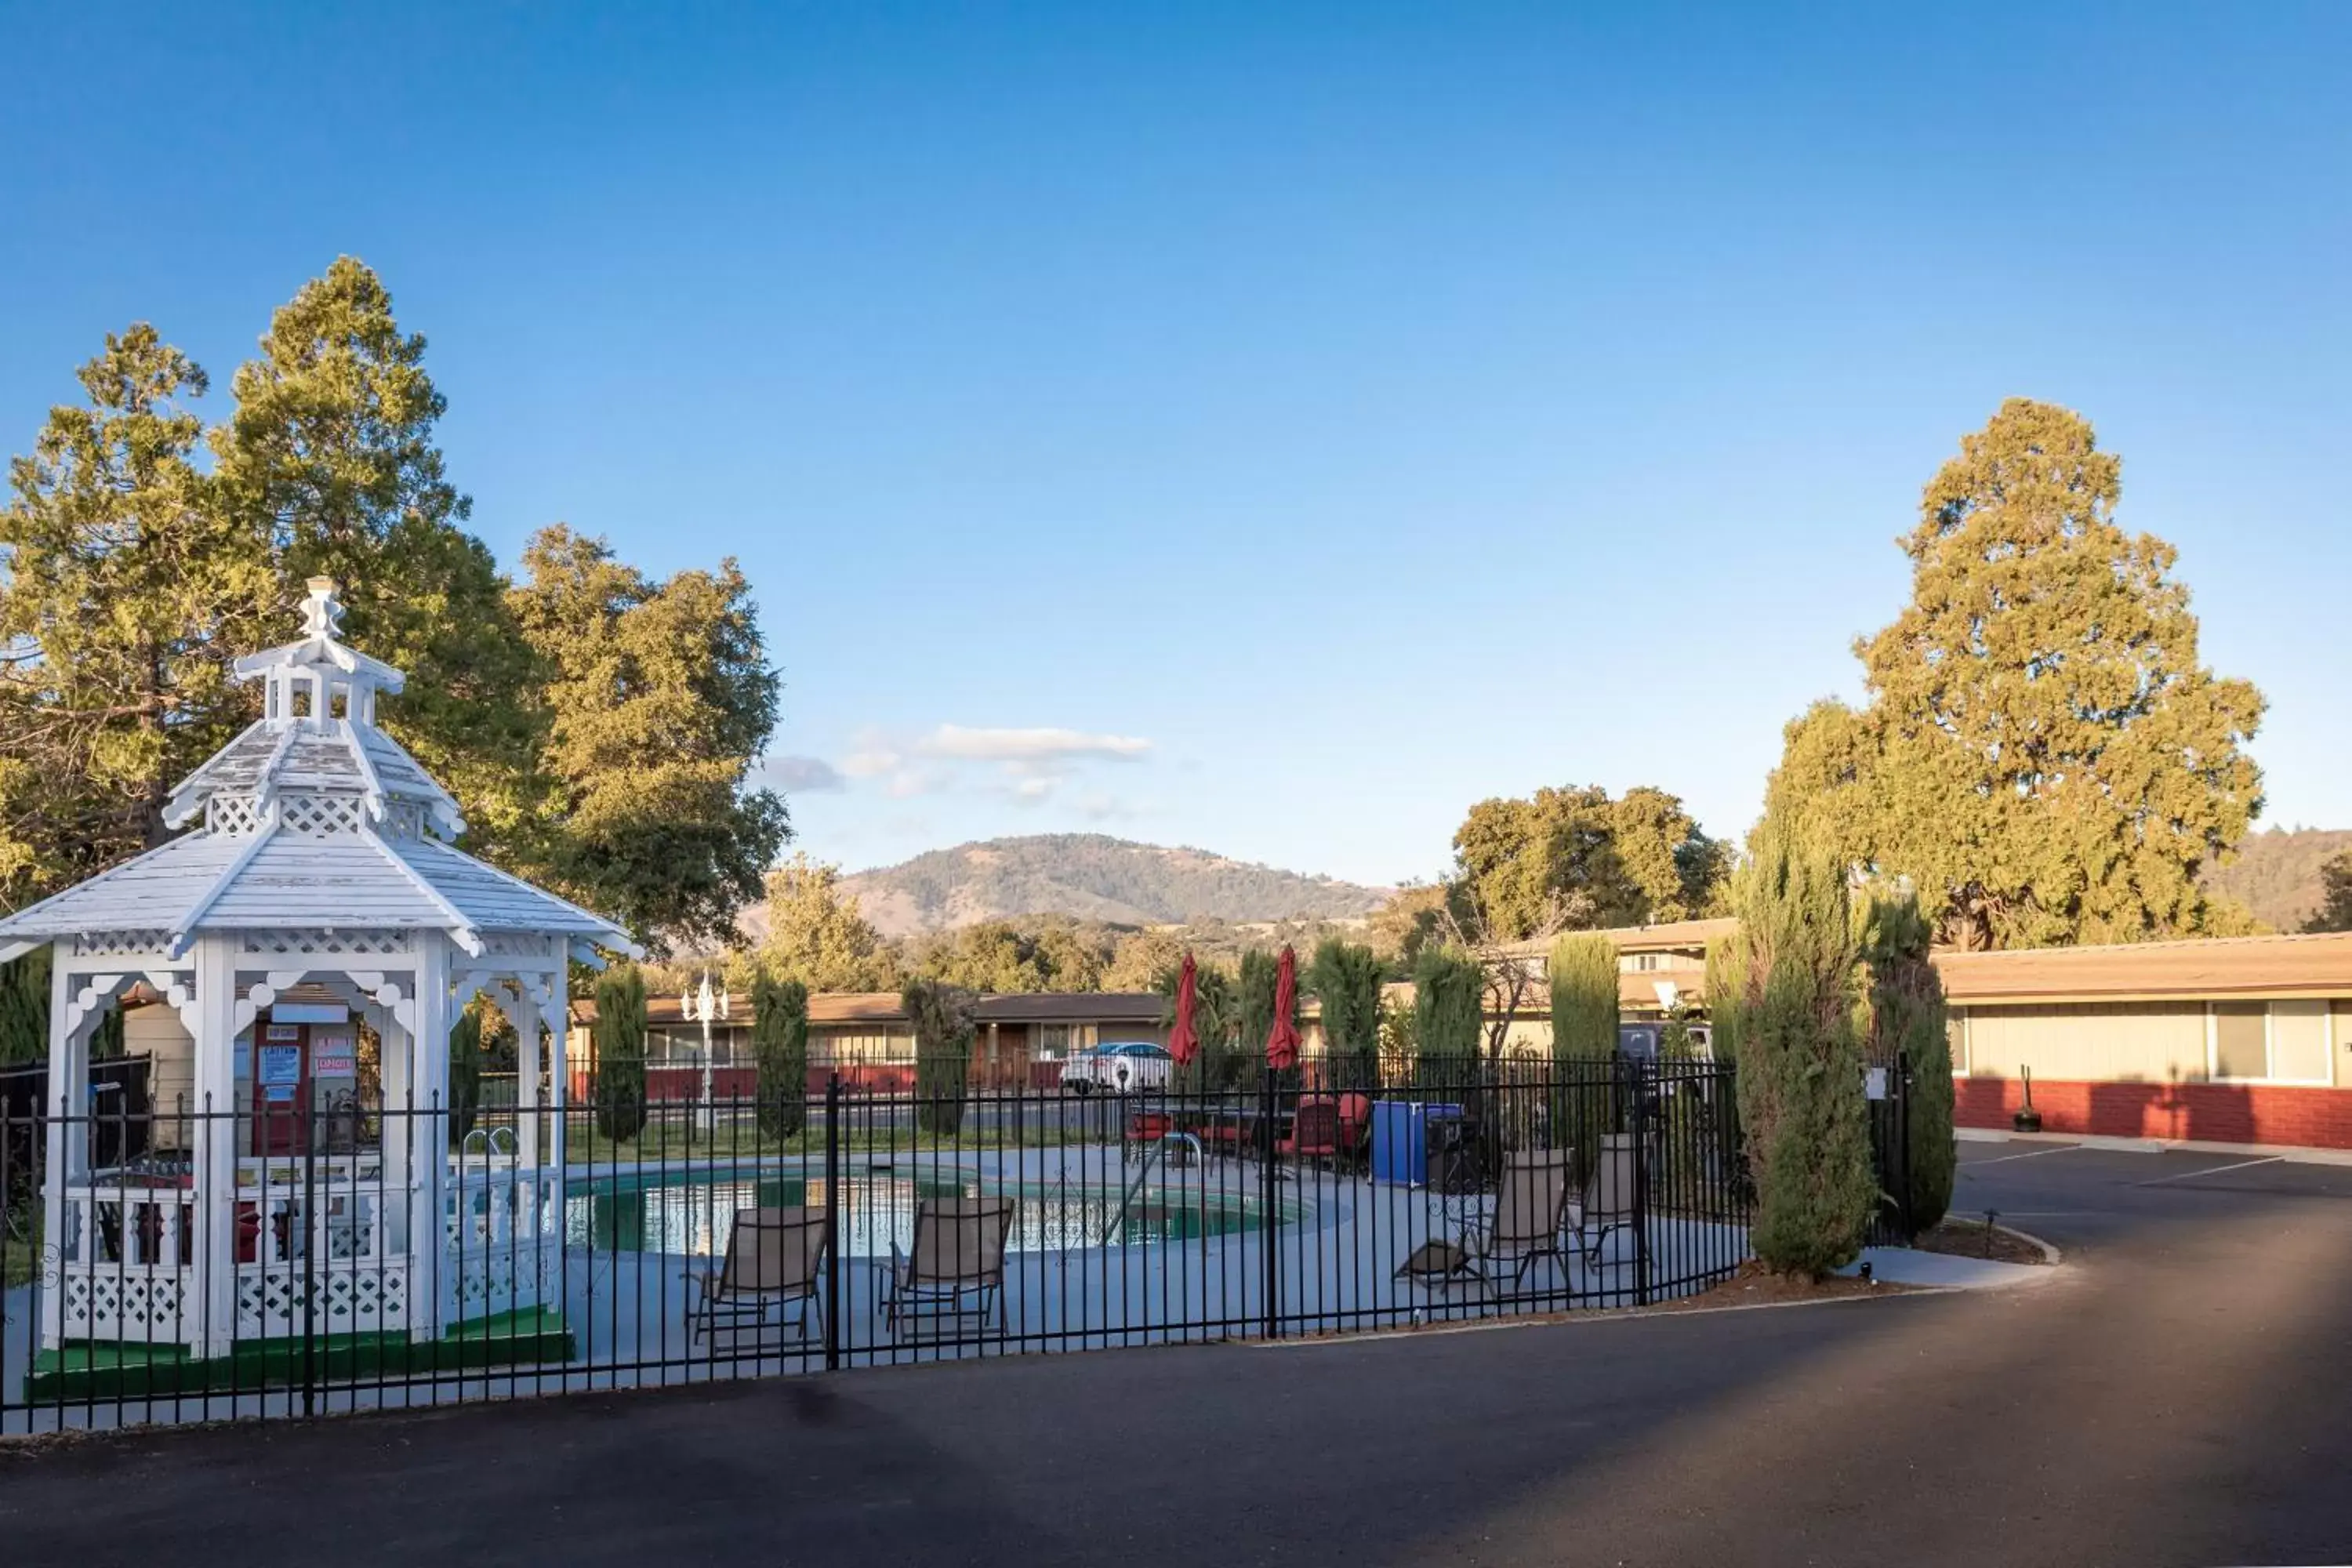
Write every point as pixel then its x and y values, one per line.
pixel 872 754
pixel 1043 745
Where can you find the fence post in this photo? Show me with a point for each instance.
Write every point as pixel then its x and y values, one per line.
pixel 307 1228
pixel 1646 1112
pixel 832 1220
pixel 1270 1249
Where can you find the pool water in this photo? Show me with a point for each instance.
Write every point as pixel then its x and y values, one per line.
pixel 692 1214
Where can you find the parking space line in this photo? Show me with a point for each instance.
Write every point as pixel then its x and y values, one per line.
pixel 2210 1171
pixel 2029 1154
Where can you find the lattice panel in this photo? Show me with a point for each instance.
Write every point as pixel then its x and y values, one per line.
pixel 317 816
pixel 233 815
pixel 502 1281
pixel 328 943
pixel 404 819
pixel 107 943
pixel 271 1301
pixel 113 1302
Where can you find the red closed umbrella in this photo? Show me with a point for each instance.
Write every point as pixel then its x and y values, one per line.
pixel 1282 1043
pixel 1182 1043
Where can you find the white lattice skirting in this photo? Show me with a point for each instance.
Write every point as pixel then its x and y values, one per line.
pixel 110 1301
pixel 271 1300
pixel 501 1279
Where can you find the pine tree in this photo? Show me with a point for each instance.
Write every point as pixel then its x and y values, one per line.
pixel 1906 1030
pixel 1346 979
pixel 330 456
pixel 779 1027
pixel 125 594
pixel 1791 1009
pixel 2042 755
pixel 617 1087
pixel 465 1072
pixel 24 1009
pixel 660 701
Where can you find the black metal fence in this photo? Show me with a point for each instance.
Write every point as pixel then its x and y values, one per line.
pixel 1887 1094
pixel 675 1242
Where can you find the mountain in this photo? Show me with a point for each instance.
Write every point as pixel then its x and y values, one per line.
pixel 1092 877
pixel 2276 873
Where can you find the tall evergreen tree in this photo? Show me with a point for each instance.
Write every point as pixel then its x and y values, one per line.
pixel 659 702
pixel 1346 979
pixel 1449 1006
pixel 1908 1029
pixel 944 1031
pixel 1789 1004
pixel 1582 973
pixel 330 454
pixel 25 1008
pixel 2042 754
pixel 780 1029
pixel 617 1088
pixel 2334 911
pixel 124 596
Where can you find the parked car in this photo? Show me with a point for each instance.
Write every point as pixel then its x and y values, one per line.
pixel 1117 1067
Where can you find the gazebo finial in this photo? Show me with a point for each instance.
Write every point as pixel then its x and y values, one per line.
pixel 323 612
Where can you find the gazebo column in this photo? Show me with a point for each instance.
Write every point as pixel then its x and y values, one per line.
pixel 559 1067
pixel 211 1306
pixel 527 1059
pixel 428 1138
pixel 57 1139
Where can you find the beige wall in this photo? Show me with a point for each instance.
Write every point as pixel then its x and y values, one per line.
pixel 154 1031
pixel 2140 1042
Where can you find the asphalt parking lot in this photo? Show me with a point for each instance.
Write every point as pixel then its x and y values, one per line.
pixel 2176 1394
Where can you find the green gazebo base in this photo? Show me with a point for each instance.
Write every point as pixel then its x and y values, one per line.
pixel 89 1370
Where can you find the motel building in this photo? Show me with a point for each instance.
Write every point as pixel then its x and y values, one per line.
pixel 2226 1040
pixel 302 952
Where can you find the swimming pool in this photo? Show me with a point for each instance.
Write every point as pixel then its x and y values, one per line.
pixel 691 1212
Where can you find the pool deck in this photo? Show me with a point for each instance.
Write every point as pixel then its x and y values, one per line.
pixel 1340 1241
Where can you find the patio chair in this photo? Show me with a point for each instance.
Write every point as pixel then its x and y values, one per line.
pixel 1530 1202
pixel 1356 1130
pixel 957 1258
pixel 1313 1131
pixel 776 1258
pixel 1608 1201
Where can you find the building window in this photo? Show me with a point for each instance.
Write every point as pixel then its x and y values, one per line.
pixel 2241 1039
pixel 1053 1042
pixel 1956 1033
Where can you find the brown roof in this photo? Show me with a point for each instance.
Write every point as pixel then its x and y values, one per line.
pixel 1666 936
pixel 2319 965
pixel 1072 1008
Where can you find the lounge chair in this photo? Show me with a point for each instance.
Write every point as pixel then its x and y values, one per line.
pixel 776 1258
pixel 1530 1202
pixel 958 1256
pixel 1608 1201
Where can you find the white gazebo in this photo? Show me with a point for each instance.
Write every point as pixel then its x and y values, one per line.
pixel 313 939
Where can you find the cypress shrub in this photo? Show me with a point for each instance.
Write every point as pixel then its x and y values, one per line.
pixel 1219 1063
pixel 24 1009
pixel 944 1031
pixel 1448 1010
pixel 617 1087
pixel 465 1072
pixel 1792 1006
pixel 1346 978
pixel 779 1048
pixel 1907 1031
pixel 1253 1013
pixel 1582 971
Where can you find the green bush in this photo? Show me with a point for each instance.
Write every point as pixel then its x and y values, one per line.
pixel 617 1087
pixel 24 1009
pixel 944 1030
pixel 1789 1001
pixel 1449 993
pixel 780 1048
pixel 1346 979
pixel 1907 1024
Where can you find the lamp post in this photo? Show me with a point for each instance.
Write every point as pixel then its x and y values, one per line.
pixel 700 1008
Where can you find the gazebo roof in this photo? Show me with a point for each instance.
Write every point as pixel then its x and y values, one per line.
pixel 313 818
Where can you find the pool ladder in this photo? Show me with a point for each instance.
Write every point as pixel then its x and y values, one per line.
pixel 1152 1155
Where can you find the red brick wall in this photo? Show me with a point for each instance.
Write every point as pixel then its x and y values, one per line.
pixel 2212 1113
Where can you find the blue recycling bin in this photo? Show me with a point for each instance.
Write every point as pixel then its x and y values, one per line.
pixel 1401 1139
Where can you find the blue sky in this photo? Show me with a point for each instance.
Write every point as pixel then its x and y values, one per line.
pixel 1267 428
